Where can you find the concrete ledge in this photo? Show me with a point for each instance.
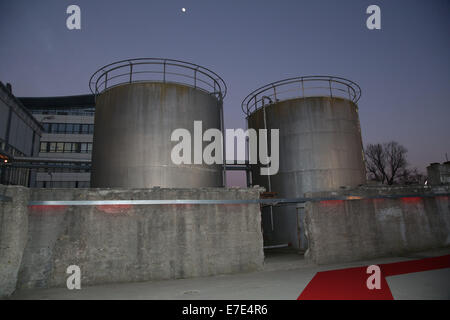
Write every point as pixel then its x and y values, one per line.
pixel 350 230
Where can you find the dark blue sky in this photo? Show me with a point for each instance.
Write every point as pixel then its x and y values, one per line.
pixel 403 69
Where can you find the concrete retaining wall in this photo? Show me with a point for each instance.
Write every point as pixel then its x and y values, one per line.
pixel 13 236
pixel 350 230
pixel 124 243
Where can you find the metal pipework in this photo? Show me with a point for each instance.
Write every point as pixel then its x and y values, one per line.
pixel 273 201
pixel 267 148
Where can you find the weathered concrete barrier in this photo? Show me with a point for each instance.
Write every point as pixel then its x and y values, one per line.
pixel 13 235
pixel 124 243
pixel 350 230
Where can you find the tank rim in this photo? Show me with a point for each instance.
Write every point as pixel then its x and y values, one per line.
pixel 157 82
pixel 256 99
pixel 211 82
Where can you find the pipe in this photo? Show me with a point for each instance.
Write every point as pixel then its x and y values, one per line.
pixel 277 246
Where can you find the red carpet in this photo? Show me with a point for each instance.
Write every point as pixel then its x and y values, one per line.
pixel 350 284
pixel 397 268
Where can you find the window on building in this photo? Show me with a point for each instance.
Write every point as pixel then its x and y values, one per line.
pixel 52 147
pixel 60 147
pixel 76 128
pixel 85 129
pixel 69 128
pixel 61 128
pixel 67 147
pixel 43 147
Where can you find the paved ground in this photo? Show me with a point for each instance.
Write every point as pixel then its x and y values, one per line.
pixel 285 275
pixel 425 285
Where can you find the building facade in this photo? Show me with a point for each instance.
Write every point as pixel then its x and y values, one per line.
pixel 65 147
pixel 19 137
pixel 439 173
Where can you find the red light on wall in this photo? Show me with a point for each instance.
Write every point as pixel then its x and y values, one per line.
pixel 412 199
pixel 331 203
pixel 46 209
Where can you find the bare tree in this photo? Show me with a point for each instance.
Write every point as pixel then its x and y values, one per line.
pixel 386 162
pixel 375 162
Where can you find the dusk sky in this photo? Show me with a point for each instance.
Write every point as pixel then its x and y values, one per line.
pixel 403 69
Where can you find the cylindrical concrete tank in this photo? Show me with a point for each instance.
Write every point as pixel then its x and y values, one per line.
pixel 320 145
pixel 139 103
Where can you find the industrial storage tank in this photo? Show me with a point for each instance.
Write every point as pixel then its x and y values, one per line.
pixel 139 103
pixel 320 145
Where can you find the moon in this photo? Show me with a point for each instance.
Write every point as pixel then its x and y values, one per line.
pixel 183 9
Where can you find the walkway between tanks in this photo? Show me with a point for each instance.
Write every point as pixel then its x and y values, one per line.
pixel 285 276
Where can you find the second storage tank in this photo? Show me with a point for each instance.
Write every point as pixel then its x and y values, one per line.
pixel 320 145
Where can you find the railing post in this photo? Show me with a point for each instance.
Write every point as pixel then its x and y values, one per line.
pixel 164 72
pixel 303 89
pixel 195 78
pixel 131 71
pixel 331 92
